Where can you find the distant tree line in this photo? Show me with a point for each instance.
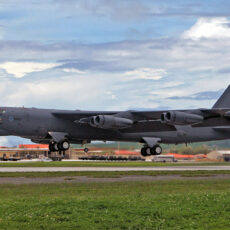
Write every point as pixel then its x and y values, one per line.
pixel 195 148
pixel 189 150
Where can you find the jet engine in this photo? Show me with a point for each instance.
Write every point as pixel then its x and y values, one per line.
pixel 180 118
pixel 110 122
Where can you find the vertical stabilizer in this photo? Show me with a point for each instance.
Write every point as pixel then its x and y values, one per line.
pixel 224 100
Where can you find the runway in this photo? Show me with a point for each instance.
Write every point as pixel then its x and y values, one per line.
pixel 113 169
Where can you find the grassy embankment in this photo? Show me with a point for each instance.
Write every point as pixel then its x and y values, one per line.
pixel 104 164
pixel 202 204
pixel 113 174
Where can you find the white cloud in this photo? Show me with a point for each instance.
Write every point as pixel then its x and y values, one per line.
pixel 72 70
pixel 209 28
pixel 2 32
pixel 68 91
pixel 3 141
pixel 20 69
pixel 177 67
pixel 146 74
pixel 111 95
pixel 119 10
pixel 169 93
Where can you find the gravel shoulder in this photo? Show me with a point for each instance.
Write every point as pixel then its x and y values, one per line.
pixel 85 179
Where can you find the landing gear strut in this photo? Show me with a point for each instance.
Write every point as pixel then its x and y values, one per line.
pixel 147 151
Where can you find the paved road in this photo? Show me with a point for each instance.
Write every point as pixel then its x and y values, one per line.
pixel 113 169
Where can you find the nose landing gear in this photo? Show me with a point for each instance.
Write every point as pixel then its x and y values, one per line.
pixel 86 150
pixel 147 151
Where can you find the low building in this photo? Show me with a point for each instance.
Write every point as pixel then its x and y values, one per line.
pixel 127 152
pixel 22 153
pixel 31 151
pixel 164 158
pixel 187 157
pixel 219 155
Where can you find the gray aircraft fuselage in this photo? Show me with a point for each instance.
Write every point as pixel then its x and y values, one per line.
pixel 149 127
pixel 37 123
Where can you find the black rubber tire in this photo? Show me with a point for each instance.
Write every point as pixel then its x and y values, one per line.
pixel 51 149
pixel 157 149
pixel 63 146
pixel 153 151
pixel 143 152
pixel 55 147
pixel 86 150
pixel 146 151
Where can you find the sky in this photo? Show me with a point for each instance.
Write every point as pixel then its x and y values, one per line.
pixel 113 54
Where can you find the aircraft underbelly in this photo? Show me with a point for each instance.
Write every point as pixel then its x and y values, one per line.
pixel 187 134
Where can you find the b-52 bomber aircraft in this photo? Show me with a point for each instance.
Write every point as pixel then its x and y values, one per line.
pixel 60 128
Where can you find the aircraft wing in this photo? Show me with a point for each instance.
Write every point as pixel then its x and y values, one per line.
pixel 78 114
pixel 136 115
pixel 220 109
pixel 131 114
pixel 155 115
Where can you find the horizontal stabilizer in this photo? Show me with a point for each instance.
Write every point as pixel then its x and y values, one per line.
pixel 224 100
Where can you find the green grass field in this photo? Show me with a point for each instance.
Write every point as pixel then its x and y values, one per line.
pixel 192 204
pixel 114 174
pixel 103 164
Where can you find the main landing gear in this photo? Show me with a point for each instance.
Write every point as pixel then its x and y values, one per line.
pixel 61 146
pixel 147 151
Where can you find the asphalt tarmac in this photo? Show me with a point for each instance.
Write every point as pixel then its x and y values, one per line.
pixel 113 169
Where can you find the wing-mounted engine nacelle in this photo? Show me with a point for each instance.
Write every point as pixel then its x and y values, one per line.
pixel 180 118
pixel 110 122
